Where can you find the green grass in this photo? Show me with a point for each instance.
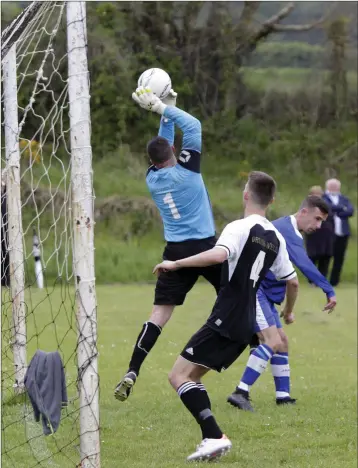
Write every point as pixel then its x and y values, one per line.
pixel 152 429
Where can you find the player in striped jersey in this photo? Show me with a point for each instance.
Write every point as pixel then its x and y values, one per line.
pixel 248 248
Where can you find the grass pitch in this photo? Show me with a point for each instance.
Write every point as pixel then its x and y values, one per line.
pixel 153 429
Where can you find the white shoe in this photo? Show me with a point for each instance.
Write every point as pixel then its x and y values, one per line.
pixel 210 449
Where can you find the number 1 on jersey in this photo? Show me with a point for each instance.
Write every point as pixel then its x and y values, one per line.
pixel 168 200
pixel 257 267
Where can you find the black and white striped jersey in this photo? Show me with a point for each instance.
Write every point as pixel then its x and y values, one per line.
pixel 254 246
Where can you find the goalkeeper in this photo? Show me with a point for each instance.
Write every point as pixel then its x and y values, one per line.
pixel 179 192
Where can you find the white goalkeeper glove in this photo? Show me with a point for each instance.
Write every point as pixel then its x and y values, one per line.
pixel 171 99
pixel 148 101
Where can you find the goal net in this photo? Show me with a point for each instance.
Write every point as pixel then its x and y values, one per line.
pixel 47 255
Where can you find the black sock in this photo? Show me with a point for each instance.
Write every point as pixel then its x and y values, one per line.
pixel 205 393
pixel 145 342
pixel 196 401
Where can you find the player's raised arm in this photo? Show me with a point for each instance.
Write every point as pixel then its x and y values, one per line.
pixel 192 137
pixel 167 126
pixel 190 126
pixel 167 129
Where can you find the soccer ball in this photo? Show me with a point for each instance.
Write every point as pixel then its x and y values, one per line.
pixel 157 80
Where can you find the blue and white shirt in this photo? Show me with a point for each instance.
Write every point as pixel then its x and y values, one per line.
pixel 275 290
pixel 179 191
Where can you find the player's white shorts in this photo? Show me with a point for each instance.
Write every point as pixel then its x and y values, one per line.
pixel 266 313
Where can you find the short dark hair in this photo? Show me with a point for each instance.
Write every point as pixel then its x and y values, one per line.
pixel 159 150
pixel 262 188
pixel 314 201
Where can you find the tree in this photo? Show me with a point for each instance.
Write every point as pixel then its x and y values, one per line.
pixel 338 38
pixel 201 45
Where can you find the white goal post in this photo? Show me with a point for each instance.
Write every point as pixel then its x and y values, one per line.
pixel 15 246
pixel 83 218
pixel 80 199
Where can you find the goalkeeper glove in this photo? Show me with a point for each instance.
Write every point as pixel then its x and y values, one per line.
pixel 148 101
pixel 171 99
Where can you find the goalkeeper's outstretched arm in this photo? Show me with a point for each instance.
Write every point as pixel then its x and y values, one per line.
pixel 166 129
pixel 189 125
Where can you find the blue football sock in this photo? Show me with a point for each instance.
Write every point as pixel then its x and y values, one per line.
pixel 280 369
pixel 256 364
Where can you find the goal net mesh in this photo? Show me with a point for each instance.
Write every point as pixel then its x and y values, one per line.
pixel 46 236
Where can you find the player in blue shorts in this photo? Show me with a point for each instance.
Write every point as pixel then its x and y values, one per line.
pixel 269 330
pixel 179 192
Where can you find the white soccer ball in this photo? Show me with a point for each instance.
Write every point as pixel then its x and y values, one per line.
pixel 157 80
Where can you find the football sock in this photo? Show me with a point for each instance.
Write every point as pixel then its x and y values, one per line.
pixel 205 393
pixel 145 342
pixel 196 401
pixel 280 369
pixel 256 364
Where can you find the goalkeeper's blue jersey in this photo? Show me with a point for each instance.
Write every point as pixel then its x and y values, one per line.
pixel 179 191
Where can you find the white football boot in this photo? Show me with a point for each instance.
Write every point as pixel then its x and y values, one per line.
pixel 209 449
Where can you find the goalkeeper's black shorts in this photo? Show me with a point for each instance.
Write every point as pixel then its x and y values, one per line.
pixel 173 286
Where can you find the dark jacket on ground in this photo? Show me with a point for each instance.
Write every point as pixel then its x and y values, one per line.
pixel 46 387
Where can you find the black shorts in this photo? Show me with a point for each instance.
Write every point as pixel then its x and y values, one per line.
pixel 210 349
pixel 173 286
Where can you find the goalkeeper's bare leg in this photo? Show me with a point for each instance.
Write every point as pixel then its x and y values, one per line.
pixel 145 342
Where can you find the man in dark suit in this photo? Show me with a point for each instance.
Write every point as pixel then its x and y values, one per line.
pixel 319 244
pixel 342 210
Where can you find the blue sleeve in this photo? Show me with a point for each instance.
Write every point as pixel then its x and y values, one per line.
pixel 166 130
pixel 332 208
pixel 346 210
pixel 335 208
pixel 300 259
pixel 189 125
